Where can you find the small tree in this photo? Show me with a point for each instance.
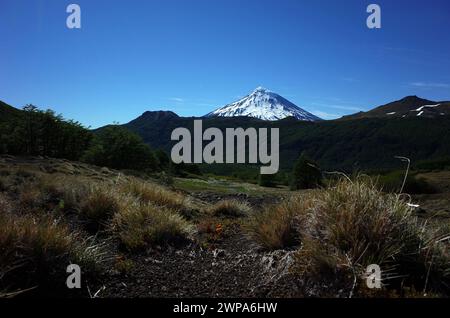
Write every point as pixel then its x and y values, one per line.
pixel 162 160
pixel 118 148
pixel 266 180
pixel 306 174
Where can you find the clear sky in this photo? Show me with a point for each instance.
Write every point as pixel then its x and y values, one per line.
pixel 192 56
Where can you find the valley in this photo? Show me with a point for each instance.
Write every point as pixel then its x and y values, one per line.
pixel 218 256
pixel 138 224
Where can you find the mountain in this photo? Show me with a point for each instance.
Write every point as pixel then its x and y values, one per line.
pixel 410 106
pixel 365 143
pixel 263 104
pixel 7 112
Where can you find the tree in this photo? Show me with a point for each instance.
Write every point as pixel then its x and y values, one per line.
pixel 37 132
pixel 162 159
pixel 266 180
pixel 184 169
pixel 118 148
pixel 306 174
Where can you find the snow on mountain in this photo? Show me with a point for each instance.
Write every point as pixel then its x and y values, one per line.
pixel 265 105
pixel 425 106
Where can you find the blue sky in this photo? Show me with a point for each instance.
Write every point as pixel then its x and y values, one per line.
pixel 192 56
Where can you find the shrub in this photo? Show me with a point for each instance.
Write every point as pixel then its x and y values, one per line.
pixel 118 148
pixel 145 225
pixel 36 251
pixel 230 208
pixel 392 182
pixel 305 174
pixel 266 180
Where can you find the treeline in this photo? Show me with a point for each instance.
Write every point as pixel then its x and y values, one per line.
pixel 35 132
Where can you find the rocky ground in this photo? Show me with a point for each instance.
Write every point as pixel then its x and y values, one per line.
pixel 232 268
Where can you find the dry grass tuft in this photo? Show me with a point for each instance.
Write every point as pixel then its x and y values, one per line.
pixel 278 227
pixel 145 225
pixel 36 251
pixel 154 194
pixel 5 204
pixel 230 208
pixel 349 226
pixel 99 207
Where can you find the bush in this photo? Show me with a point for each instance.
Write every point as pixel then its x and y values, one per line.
pixel 436 164
pixel 162 160
pixel 266 180
pixel 145 225
pixel 116 147
pixel 305 174
pixel 392 182
pixel 36 251
pixel 230 208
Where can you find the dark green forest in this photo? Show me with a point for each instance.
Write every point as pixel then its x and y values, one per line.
pixel 35 132
pixel 368 144
pixel 360 145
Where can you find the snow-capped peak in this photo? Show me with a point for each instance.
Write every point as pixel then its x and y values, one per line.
pixel 261 90
pixel 265 105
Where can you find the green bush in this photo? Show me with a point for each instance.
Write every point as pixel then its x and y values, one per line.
pixel 118 148
pixel 266 180
pixel 306 174
pixel 392 182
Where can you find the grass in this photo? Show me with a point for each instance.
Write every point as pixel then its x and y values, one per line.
pixel 35 253
pixel 99 207
pixel 154 194
pixel 230 208
pixel 140 226
pixel 43 223
pixel 5 205
pixel 349 226
pixel 216 186
pixel 277 227
pixel 334 232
